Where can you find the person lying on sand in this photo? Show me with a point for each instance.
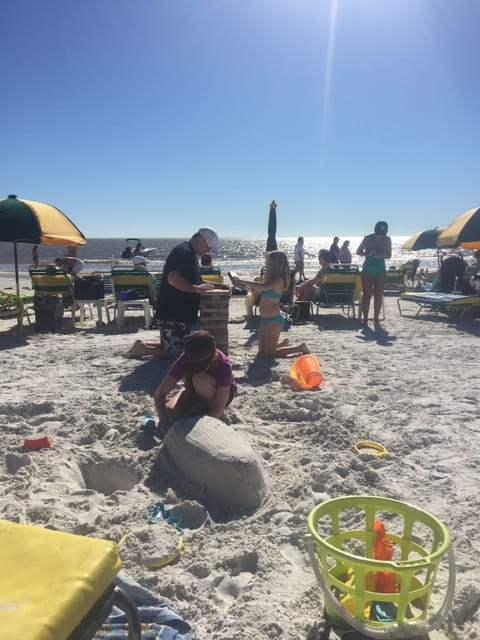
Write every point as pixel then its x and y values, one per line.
pixel 209 382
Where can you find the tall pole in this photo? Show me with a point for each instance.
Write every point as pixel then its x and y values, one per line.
pixel 15 255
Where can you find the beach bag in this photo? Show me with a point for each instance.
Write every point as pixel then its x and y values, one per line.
pixel 451 269
pixel 48 312
pixel 89 288
pixel 134 294
pixel 465 288
pixel 300 312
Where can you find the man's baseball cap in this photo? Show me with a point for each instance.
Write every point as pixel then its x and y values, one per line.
pixel 139 260
pixel 211 238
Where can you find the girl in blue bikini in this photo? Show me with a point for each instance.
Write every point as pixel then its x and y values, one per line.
pixel 276 281
pixel 376 248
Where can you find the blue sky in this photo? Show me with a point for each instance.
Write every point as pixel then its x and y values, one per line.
pixel 150 118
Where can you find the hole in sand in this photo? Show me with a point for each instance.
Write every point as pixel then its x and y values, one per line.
pixel 108 477
pixel 14 462
pixel 191 514
pixel 248 562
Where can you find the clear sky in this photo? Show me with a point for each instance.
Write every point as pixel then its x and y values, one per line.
pixel 150 118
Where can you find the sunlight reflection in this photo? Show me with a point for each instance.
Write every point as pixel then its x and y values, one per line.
pixel 328 72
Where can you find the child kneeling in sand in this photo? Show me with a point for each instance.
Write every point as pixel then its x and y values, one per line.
pixel 277 280
pixel 209 382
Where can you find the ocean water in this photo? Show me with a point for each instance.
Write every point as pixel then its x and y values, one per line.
pixel 246 256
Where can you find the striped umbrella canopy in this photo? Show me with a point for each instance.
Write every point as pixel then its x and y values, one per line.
pixel 463 231
pixel 33 222
pixel 426 239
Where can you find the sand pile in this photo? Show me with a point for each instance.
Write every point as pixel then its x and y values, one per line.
pixel 412 387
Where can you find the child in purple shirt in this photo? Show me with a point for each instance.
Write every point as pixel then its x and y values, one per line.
pixel 209 382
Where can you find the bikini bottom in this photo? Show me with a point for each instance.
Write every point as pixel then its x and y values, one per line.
pixel 280 319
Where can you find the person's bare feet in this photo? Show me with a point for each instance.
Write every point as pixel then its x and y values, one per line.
pixel 283 343
pixel 137 351
pixel 304 349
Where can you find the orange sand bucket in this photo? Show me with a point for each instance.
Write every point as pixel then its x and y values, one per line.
pixel 306 371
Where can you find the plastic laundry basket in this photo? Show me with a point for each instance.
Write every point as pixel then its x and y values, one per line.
pixel 341 546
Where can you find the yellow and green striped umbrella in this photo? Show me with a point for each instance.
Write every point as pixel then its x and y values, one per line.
pixel 464 231
pixel 35 223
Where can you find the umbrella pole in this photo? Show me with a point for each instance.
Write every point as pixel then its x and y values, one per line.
pixel 15 255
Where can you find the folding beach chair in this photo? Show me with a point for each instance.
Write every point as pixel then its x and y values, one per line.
pixel 288 297
pixel 57 586
pixel 132 290
pixel 211 271
pixel 216 278
pixel 410 269
pixel 341 287
pixel 89 292
pixel 49 282
pixel 437 302
pixel 13 306
pixel 396 280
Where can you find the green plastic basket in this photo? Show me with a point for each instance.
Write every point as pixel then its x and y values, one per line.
pixel 343 537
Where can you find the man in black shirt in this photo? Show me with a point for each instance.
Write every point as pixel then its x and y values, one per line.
pixel 179 295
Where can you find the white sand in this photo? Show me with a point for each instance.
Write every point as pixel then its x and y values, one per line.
pixel 414 389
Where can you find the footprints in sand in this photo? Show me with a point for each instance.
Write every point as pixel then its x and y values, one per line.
pixel 241 571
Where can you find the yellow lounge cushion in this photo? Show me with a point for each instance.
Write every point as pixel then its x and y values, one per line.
pixel 50 580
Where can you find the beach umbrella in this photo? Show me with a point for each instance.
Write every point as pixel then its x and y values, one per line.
pixel 426 239
pixel 464 231
pixel 470 245
pixel 33 222
pixel 272 227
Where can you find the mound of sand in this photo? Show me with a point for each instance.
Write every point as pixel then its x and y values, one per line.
pixel 412 387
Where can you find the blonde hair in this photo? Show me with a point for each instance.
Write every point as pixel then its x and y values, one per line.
pixel 277 267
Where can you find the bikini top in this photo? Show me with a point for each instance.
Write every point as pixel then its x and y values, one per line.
pixel 270 293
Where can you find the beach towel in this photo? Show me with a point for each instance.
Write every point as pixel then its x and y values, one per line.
pixel 158 622
pixel 157 618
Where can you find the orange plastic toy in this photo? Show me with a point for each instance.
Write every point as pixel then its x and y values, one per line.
pixel 383 550
pixel 306 371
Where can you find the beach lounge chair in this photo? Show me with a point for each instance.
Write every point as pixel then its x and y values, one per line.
pixel 132 290
pixel 341 287
pixel 410 269
pixel 450 303
pixel 58 585
pixel 13 306
pixel 211 271
pixel 52 281
pixel 396 280
pixel 216 278
pixel 89 292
